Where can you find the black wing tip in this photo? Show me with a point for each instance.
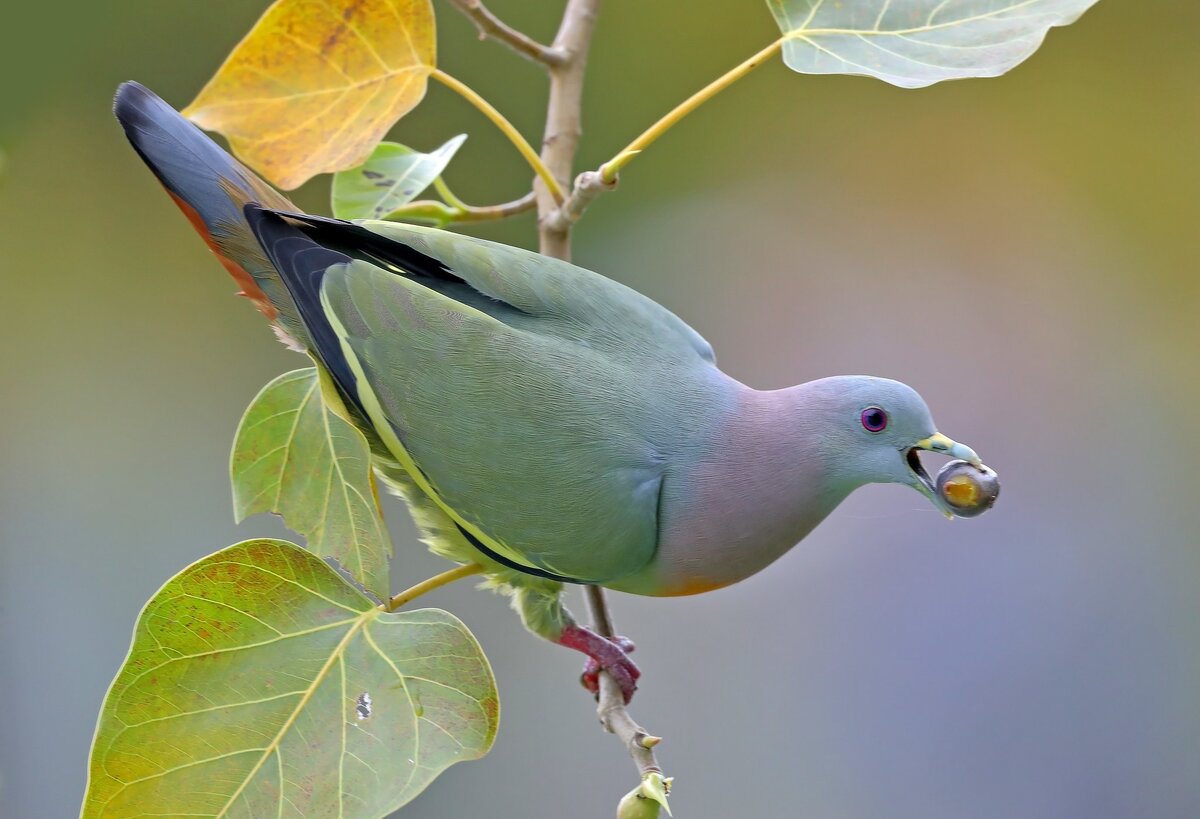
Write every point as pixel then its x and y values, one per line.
pixel 133 101
pixel 140 111
pixel 138 108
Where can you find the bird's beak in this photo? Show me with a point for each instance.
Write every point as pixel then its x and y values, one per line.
pixel 937 442
pixel 946 446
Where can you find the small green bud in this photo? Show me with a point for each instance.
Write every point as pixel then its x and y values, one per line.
pixel 647 799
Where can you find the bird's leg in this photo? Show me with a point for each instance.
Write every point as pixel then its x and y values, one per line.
pixel 539 602
pixel 603 655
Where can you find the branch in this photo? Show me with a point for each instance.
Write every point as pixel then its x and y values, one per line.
pixel 456 212
pixel 563 130
pixel 488 213
pixel 614 716
pixel 490 25
pixel 588 185
pixel 561 140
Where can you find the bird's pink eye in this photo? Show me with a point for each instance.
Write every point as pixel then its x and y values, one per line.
pixel 874 419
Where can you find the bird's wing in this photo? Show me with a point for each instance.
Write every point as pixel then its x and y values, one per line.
pixel 580 304
pixel 537 445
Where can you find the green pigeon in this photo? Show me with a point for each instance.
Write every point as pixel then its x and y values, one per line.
pixel 540 419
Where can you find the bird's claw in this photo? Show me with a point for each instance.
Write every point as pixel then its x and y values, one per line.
pixel 624 668
pixel 604 654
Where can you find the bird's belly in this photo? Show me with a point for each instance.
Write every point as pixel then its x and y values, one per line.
pixel 716 553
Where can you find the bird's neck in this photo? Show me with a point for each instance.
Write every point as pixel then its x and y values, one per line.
pixel 785 465
pixel 760 487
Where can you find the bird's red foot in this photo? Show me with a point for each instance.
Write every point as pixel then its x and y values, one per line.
pixel 604 654
pixel 590 678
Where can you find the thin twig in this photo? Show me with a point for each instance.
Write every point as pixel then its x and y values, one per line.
pixel 490 25
pixel 614 716
pixel 448 213
pixel 487 213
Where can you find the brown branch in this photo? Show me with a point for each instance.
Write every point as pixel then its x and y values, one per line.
pixel 563 129
pixel 559 145
pixel 614 716
pixel 490 25
pixel 588 185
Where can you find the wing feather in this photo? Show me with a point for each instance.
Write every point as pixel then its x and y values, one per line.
pixel 523 441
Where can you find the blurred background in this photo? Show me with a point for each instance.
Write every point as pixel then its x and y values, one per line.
pixel 1022 250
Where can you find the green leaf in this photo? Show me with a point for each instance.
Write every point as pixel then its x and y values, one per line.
pixel 259 683
pixel 914 43
pixel 392 176
pixel 294 456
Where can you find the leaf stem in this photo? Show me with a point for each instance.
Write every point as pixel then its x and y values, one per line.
pixel 610 169
pixel 448 195
pixel 514 136
pixel 490 25
pixel 435 582
pixel 446 213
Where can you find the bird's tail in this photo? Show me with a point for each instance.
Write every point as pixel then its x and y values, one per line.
pixel 212 189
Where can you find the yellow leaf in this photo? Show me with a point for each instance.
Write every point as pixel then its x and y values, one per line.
pixel 316 84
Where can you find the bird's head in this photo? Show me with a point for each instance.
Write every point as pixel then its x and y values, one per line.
pixel 875 430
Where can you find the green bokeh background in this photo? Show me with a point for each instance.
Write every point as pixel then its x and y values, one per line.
pixel 1022 250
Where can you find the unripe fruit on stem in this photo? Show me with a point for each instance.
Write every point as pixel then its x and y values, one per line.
pixel 966 489
pixel 645 801
pixel 636 806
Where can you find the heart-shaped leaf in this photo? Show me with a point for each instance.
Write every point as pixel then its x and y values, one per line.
pixel 316 84
pixel 393 176
pixel 914 43
pixel 294 456
pixel 259 683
